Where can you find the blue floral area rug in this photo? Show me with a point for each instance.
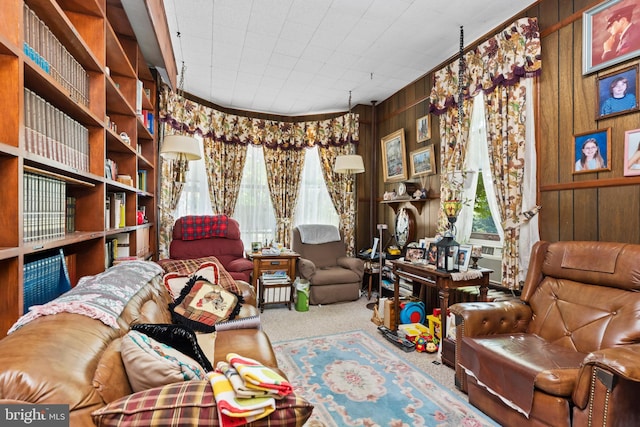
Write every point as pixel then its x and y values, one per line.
pixel 353 380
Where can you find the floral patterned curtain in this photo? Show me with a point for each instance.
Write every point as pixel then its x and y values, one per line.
pixel 226 137
pixel 506 133
pixel 284 170
pixel 224 164
pixel 345 203
pixel 496 67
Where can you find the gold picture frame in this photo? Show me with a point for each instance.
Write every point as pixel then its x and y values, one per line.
pixel 423 129
pixel 423 161
pixel 394 163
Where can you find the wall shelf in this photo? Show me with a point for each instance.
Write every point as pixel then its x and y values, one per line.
pixel 417 203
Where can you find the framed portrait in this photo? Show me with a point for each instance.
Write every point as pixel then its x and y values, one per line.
pixel 617 93
pixel 423 129
pixel 394 164
pixel 423 161
pixel 432 254
pixel 464 255
pixel 608 37
pixel 414 255
pixel 591 151
pixel 632 152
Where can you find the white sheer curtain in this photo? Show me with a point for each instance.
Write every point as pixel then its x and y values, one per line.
pixel 254 211
pixel 476 163
pixel 194 199
pixel 314 203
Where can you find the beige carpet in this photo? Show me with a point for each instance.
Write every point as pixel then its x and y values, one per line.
pixel 283 325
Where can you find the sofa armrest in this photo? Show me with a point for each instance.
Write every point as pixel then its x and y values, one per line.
pixel 306 268
pixel 487 318
pixel 354 264
pixel 607 366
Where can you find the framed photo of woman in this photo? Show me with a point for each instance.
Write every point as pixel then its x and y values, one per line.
pixel 610 34
pixel 394 163
pixel 591 151
pixel 632 152
pixel 617 93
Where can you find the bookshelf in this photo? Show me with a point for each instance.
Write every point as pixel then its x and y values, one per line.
pixel 77 95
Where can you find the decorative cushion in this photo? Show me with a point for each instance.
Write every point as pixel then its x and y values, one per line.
pixel 149 363
pixel 179 337
pixel 202 304
pixel 175 282
pixel 190 403
pixel 186 267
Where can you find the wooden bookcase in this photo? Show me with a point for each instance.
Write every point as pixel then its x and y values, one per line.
pixel 98 36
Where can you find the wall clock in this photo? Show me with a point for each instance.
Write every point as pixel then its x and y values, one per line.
pixel 405 228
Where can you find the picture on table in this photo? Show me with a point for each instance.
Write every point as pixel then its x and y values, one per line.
pixel 591 151
pixel 617 93
pixel 463 257
pixel 632 152
pixel 432 254
pixel 611 34
pixel 414 255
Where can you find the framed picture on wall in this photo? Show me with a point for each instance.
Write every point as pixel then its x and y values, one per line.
pixel 422 161
pixel 632 152
pixel 617 92
pixel 608 36
pixel 591 151
pixel 394 164
pixel 423 128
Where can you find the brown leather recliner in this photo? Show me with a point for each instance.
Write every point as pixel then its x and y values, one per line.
pixel 568 352
pixel 332 275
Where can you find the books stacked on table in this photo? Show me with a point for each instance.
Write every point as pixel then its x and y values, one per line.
pixel 275 277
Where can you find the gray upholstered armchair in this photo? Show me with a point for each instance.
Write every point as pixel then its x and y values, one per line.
pixel 333 276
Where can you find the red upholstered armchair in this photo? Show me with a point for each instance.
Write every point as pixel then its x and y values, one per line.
pixel 198 236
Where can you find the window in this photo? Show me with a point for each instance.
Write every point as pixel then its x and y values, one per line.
pixel 253 210
pixel 483 226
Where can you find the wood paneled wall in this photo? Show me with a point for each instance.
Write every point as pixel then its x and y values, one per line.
pixel 592 206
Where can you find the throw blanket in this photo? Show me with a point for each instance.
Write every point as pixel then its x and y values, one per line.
pixel 195 227
pixel 102 297
pixel 234 410
pixel 318 233
pixel 259 377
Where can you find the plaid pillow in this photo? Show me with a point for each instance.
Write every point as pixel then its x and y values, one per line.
pixel 188 266
pixel 190 403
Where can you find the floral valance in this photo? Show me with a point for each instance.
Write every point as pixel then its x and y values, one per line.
pixel 502 60
pixel 190 117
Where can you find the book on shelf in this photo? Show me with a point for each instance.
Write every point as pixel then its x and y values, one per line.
pixel 44 207
pixel 142 180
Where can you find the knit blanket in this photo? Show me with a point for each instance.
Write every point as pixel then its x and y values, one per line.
pixel 102 297
pixel 195 227
pixel 314 234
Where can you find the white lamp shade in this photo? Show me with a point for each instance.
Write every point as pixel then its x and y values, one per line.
pixel 180 146
pixel 351 163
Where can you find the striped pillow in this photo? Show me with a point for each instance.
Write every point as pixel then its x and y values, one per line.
pixel 190 403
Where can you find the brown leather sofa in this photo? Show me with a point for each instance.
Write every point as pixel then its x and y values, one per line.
pixel 568 352
pixel 73 359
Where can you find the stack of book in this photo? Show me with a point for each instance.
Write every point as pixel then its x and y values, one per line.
pixel 275 277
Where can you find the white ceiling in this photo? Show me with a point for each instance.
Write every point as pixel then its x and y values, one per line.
pixel 301 57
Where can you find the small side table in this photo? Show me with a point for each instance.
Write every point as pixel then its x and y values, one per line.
pixel 285 261
pixel 274 293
